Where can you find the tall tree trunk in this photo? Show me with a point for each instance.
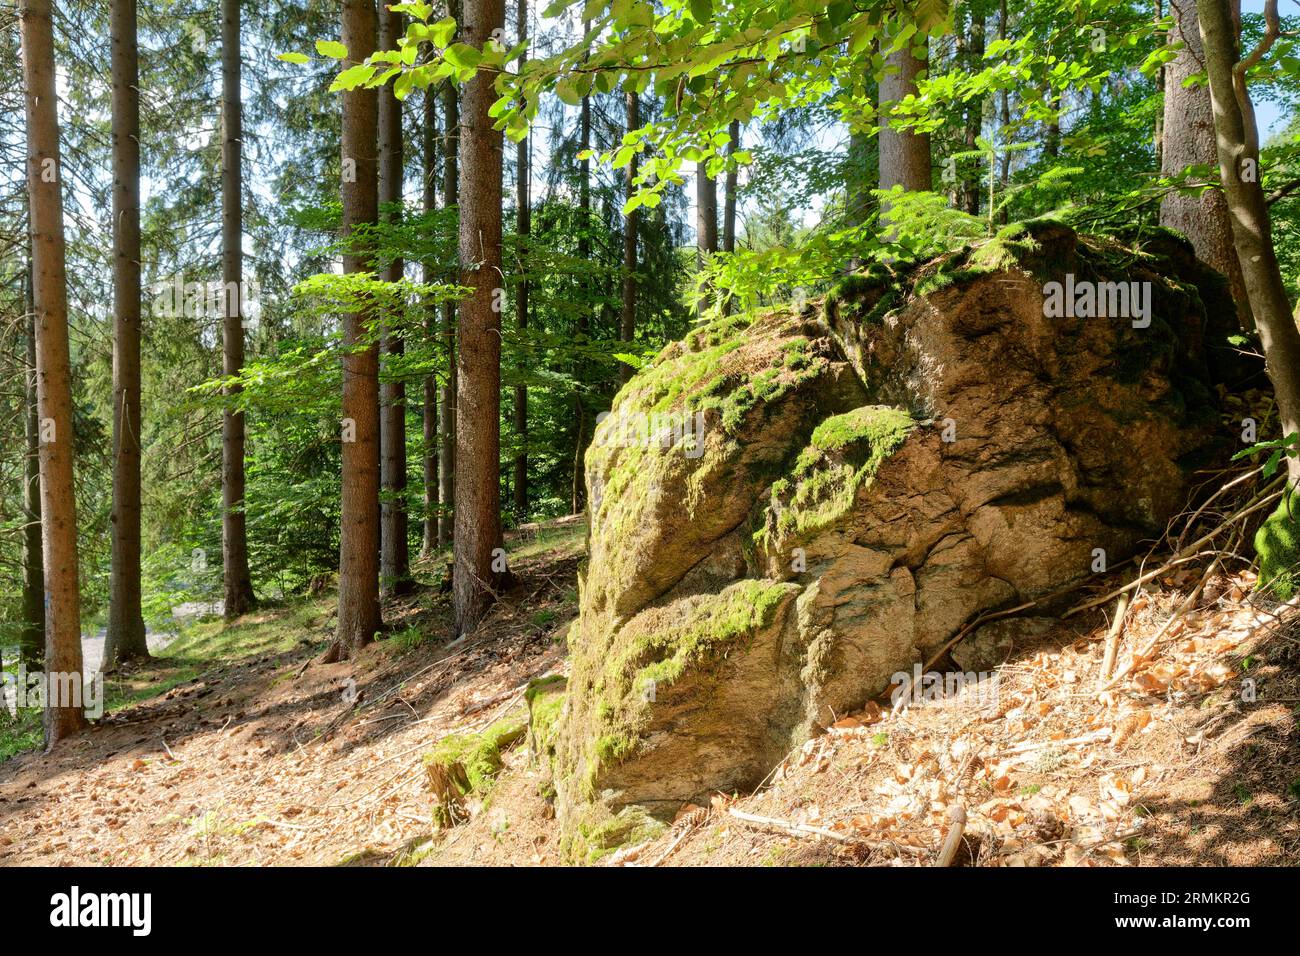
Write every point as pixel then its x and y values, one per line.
pixel 1188 141
pixel 904 155
pixel 63 716
pixel 125 638
pixel 706 227
pixel 524 215
pixel 729 206
pixel 432 493
pixel 359 615
pixel 32 639
pixel 1237 142
pixel 234 534
pixel 584 326
pixel 395 556
pixel 970 184
pixel 478 353
pixel 1158 135
pixel 627 318
pixel 447 406
pixel 1004 176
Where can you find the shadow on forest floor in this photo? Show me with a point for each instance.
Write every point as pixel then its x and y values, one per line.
pixel 235 746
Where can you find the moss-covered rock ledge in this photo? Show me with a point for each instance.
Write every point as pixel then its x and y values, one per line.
pixel 785 510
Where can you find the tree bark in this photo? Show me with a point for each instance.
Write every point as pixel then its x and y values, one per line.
pixel 584 326
pixel 234 534
pixel 395 555
pixel 125 637
pixel 1237 146
pixel 729 205
pixel 447 405
pixel 627 318
pixel 359 614
pixel 974 120
pixel 904 155
pixel 1188 139
pixel 706 227
pixel 32 639
pixel 478 353
pixel 432 493
pixel 524 215
pixel 63 716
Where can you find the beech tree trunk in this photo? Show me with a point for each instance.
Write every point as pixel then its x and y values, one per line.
pixel 447 406
pixel 524 215
pixel 63 711
pixel 234 534
pixel 359 614
pixel 1188 139
pixel 729 205
pixel 706 226
pixel 627 318
pixel 125 637
pixel 478 353
pixel 395 555
pixel 432 493
pixel 971 187
pixel 1237 145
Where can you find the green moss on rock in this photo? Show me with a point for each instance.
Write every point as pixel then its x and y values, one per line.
pixel 545 698
pixel 598 836
pixel 652 653
pixel 843 454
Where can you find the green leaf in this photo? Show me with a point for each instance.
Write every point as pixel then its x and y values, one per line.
pixel 352 77
pixel 462 56
pixel 332 49
pixel 293 57
pixel 701 10
pixel 440 33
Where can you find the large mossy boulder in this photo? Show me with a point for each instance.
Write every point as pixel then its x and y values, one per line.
pixel 787 510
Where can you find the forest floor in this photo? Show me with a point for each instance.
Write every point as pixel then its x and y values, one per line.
pixel 235 747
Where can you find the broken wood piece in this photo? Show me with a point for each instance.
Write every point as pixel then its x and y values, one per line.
pixel 952 839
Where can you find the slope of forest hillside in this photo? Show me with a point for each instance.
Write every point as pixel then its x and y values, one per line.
pixel 244 751
pixel 646 432
pixel 239 747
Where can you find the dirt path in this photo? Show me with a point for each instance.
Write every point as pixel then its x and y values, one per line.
pixel 271 758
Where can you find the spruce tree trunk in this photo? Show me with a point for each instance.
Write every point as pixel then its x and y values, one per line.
pixel 64 714
pixel 579 488
pixel 125 638
pixel 234 534
pixel 523 207
pixel 1237 146
pixel 904 155
pixel 478 353
pixel 32 638
pixel 359 614
pixel 627 318
pixel 432 493
pixel 395 555
pixel 1188 139
pixel 447 405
